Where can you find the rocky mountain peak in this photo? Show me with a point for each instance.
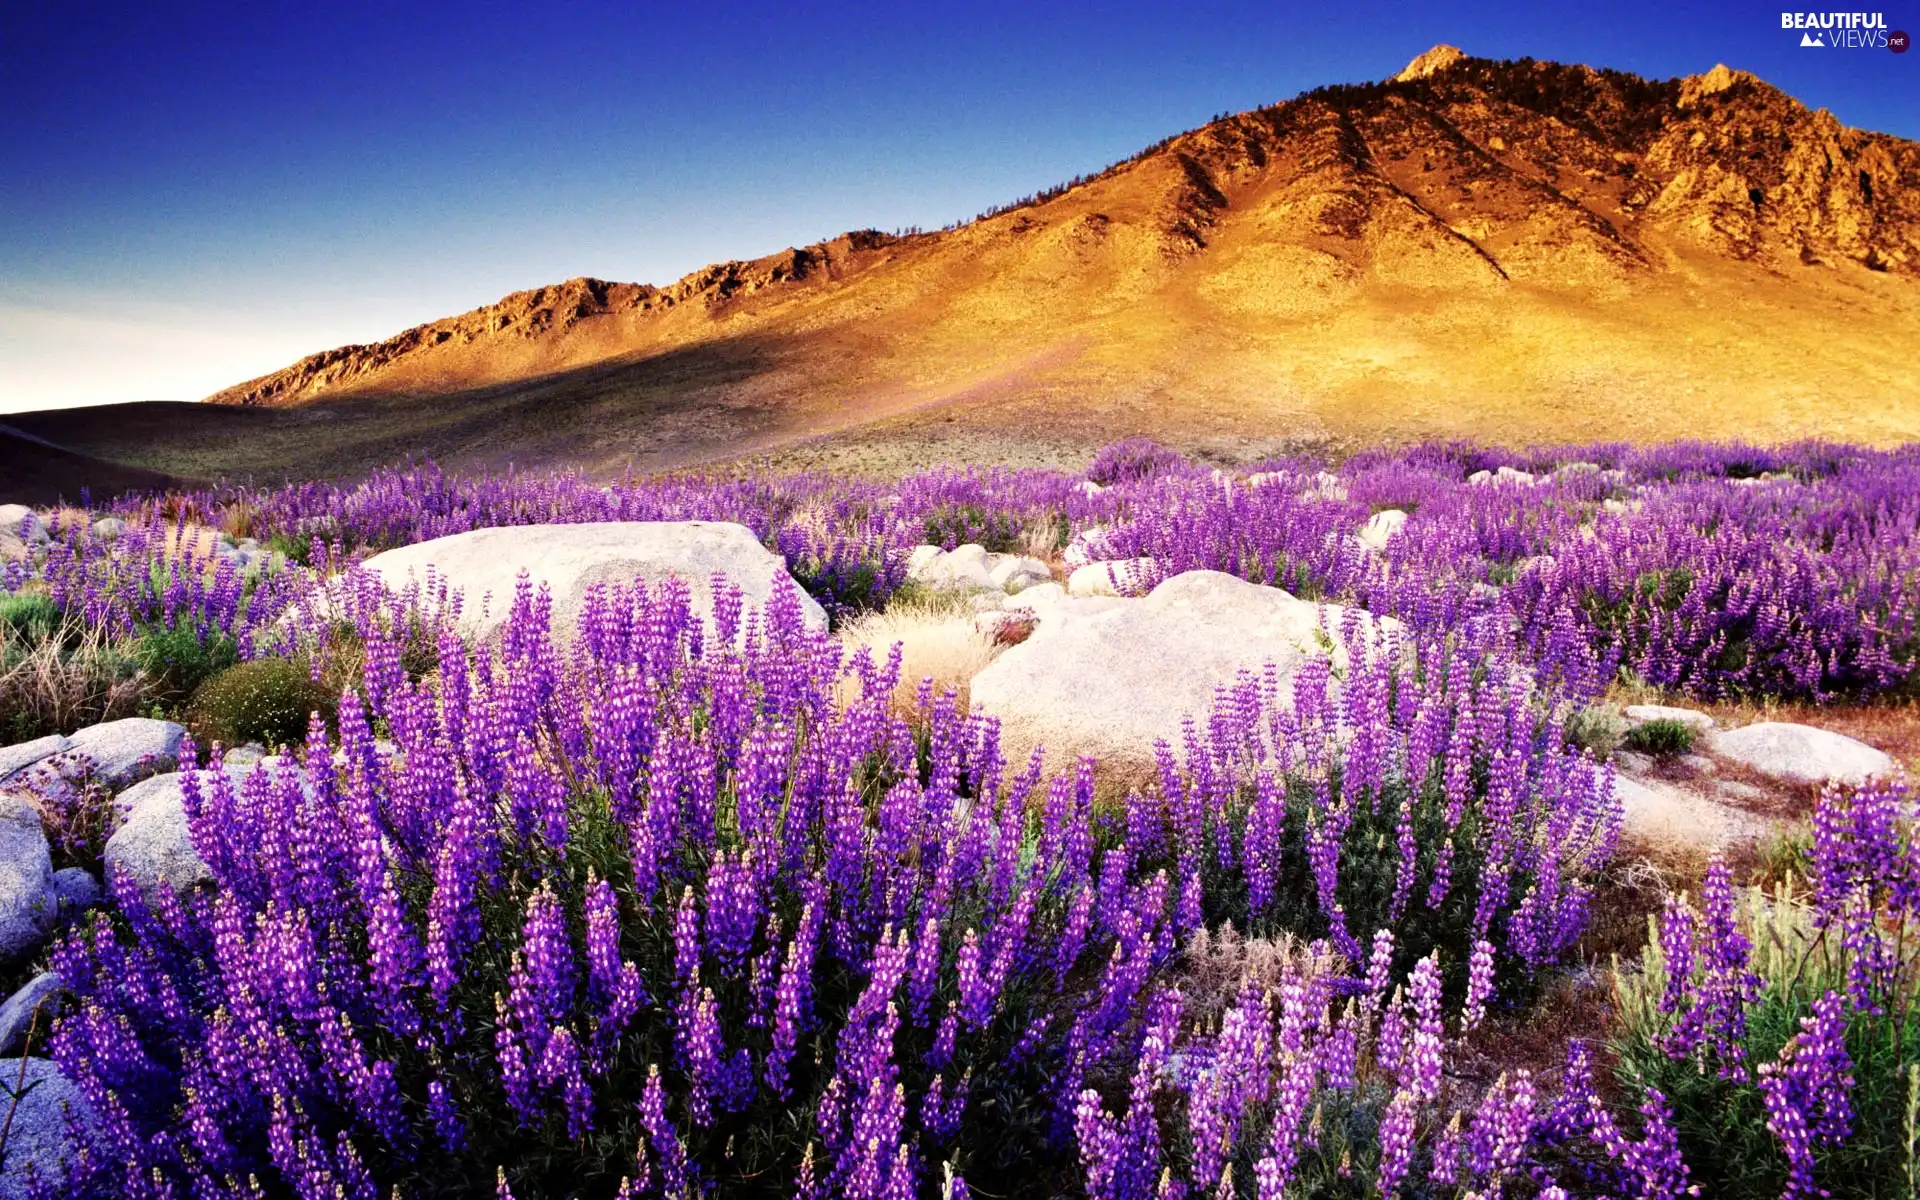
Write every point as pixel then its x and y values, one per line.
pixel 1432 62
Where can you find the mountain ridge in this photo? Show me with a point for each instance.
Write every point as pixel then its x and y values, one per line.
pixel 1716 183
pixel 1510 252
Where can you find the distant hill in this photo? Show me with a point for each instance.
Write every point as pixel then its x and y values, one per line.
pixel 1511 251
pixel 36 471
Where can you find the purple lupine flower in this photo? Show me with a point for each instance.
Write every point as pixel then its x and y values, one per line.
pixel 1479 984
pixel 1396 1141
pixel 1806 1091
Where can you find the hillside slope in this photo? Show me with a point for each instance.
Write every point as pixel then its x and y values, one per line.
pixel 1511 251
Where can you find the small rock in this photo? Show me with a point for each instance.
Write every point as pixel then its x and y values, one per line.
pixel 1089 545
pixel 1327 486
pixel 75 890
pixel 22 522
pixel 1801 753
pixel 1503 475
pixel 17 758
pixel 244 756
pixel 44 992
pixel 1381 528
pixel 1037 596
pixel 109 529
pixel 1013 572
pixel 1699 764
pixel 129 749
pixel 1639 714
pixel 961 569
pixel 27 904
pixel 919 557
pixel 1088 487
pixel 1123 578
pixel 1632 763
pixel 41 1136
pixel 1006 628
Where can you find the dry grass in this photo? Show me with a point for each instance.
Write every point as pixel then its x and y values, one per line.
pixel 1219 965
pixel 937 640
pixel 59 685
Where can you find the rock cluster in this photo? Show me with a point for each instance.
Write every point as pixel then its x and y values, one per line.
pixel 972 568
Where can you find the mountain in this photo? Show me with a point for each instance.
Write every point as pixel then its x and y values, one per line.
pixel 1508 250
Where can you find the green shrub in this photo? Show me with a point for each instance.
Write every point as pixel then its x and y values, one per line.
pixel 31 617
pixel 1662 737
pixel 298 547
pixel 266 700
pixel 953 525
pixel 177 662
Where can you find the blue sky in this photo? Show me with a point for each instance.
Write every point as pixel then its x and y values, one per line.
pixel 192 194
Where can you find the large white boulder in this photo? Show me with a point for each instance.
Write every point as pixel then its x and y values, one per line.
pixel 484 565
pixel 40 1140
pixel 1801 753
pixel 1110 682
pixel 129 749
pixel 27 903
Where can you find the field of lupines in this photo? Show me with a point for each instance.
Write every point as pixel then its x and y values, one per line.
pixel 669 911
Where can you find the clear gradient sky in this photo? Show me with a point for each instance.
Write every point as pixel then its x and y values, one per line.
pixel 193 194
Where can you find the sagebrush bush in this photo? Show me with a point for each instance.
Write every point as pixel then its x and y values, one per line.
pixel 1661 737
pixel 265 700
pixel 1598 731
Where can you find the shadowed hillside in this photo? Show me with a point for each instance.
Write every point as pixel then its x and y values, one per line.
pixel 1511 251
